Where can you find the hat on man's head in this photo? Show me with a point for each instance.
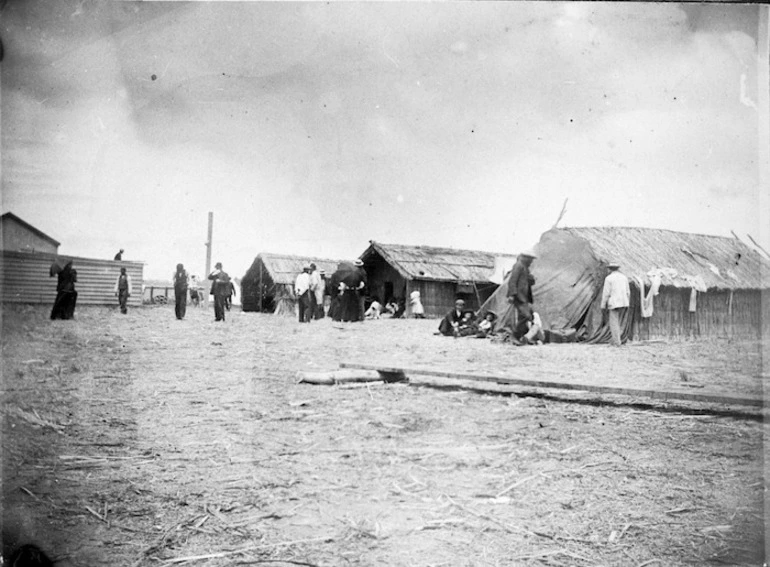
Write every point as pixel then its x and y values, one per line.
pixel 358 263
pixel 306 268
pixel 530 253
pixel 312 266
pixel 613 265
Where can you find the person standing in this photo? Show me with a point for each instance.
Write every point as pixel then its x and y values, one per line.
pixel 123 290
pixel 362 290
pixel 616 297
pixel 66 296
pixel 119 255
pixel 315 283
pixel 230 294
pixel 220 288
pixel 418 311
pixel 302 293
pixel 520 292
pixel 320 295
pixel 181 283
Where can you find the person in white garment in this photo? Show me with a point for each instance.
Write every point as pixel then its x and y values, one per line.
pixel 616 296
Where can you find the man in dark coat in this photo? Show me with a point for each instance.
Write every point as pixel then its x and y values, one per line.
pixel 181 282
pixel 66 296
pixel 123 290
pixel 451 322
pixel 220 289
pixel 362 289
pixel 520 292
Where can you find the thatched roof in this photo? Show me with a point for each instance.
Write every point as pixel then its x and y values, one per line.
pixel 724 263
pixel 439 264
pixel 284 269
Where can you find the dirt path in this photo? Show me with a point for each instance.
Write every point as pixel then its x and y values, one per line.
pixel 142 440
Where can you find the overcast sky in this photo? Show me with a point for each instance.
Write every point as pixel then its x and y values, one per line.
pixel 311 128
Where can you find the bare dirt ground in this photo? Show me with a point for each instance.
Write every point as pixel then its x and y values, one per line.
pixel 140 440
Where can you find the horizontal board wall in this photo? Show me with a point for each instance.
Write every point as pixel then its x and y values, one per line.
pixel 24 278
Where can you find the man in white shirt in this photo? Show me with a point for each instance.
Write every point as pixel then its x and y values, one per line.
pixel 616 296
pixel 315 283
pixel 302 292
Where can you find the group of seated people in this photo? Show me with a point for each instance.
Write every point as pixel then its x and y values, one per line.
pixel 392 308
pixel 461 322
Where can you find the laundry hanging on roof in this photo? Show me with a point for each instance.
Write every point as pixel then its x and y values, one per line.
pixel 647 300
pixel 640 284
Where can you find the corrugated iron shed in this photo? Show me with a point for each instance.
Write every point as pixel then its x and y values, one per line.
pixel 24 278
pixel 433 263
pixel 721 263
pixel 284 268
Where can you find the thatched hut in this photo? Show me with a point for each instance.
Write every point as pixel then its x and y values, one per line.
pixel 707 286
pixel 441 275
pixel 268 285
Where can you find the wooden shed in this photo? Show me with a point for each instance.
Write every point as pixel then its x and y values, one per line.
pixel 17 235
pixel 268 285
pixel 441 275
pixel 25 278
pixel 707 286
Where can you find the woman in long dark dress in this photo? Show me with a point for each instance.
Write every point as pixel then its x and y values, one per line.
pixel 181 281
pixel 66 296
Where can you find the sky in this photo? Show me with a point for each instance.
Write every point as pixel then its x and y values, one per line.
pixel 313 128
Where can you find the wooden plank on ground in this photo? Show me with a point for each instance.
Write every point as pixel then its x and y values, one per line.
pixel 636 392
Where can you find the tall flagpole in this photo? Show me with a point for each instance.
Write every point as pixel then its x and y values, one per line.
pixel 207 287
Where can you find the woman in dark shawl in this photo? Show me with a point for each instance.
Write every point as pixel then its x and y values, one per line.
pixel 66 296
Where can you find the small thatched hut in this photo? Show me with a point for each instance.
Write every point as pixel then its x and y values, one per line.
pixel 707 286
pixel 268 285
pixel 441 275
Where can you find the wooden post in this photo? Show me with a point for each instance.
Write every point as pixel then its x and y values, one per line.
pixel 207 288
pixel 259 306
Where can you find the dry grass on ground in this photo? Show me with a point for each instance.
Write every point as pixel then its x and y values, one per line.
pixel 140 440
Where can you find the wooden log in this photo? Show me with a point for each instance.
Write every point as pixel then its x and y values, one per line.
pixel 345 376
pixel 596 388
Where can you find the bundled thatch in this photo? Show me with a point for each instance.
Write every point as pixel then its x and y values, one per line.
pixel 269 283
pixel 721 263
pixel 709 285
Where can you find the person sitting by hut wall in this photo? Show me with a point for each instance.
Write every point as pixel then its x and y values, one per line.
pixel 467 326
pixel 375 309
pixel 486 326
pixel 450 324
pixel 535 335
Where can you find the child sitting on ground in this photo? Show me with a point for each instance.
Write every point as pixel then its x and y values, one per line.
pixel 486 326
pixel 374 310
pixel 466 327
